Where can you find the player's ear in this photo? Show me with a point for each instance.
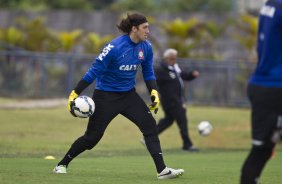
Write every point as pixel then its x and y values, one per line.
pixel 134 29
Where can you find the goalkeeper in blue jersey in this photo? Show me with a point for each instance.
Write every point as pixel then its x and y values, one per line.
pixel 265 92
pixel 115 70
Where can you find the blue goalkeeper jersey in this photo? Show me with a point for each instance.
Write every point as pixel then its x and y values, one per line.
pixel 268 72
pixel 116 67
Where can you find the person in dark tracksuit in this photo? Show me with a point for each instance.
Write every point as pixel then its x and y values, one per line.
pixel 171 88
pixel 114 71
pixel 265 93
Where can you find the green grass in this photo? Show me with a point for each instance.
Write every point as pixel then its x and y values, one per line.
pixel 200 168
pixel 27 136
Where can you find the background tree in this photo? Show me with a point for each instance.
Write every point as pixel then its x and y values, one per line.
pixel 193 37
pixel 37 37
pixel 136 5
pixel 93 43
pixel 69 4
pixel 11 38
pixel 69 40
pixel 247 28
pixel 120 5
pixel 196 5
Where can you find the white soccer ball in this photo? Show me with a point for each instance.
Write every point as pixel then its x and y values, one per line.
pixel 205 128
pixel 83 106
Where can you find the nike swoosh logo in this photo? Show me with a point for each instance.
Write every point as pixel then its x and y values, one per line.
pixel 168 173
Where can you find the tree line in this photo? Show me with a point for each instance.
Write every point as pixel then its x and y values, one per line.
pixel 120 5
pixel 192 37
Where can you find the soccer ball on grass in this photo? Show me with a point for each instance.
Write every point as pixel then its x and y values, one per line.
pixel 83 107
pixel 205 128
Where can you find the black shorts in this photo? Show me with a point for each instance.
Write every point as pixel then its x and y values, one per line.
pixel 266 104
pixel 129 104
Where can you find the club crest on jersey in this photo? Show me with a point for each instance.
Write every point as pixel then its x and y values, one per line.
pixel 141 54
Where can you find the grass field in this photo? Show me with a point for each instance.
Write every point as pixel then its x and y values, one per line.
pixel 27 136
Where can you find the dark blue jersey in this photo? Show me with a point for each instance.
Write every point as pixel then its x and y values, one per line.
pixel 116 67
pixel 268 72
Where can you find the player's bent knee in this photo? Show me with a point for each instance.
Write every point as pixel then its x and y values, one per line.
pixel 262 152
pixel 151 138
pixel 92 138
pixel 152 132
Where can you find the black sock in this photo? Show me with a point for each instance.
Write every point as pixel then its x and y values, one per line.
pixel 254 165
pixel 159 162
pixel 77 147
pixel 154 147
pixel 66 160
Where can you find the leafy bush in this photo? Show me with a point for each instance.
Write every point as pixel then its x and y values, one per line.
pixel 69 40
pixel 33 35
pixel 246 34
pixel 187 36
pixel 93 43
pixel 12 36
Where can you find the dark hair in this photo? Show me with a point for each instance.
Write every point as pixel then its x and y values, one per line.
pixel 131 20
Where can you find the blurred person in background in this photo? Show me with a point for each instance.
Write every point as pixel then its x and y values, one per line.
pixel 265 93
pixel 171 87
pixel 114 71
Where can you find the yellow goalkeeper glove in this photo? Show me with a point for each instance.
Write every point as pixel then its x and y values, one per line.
pixel 72 97
pixel 155 101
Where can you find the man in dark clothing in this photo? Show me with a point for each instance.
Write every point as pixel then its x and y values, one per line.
pixel 170 83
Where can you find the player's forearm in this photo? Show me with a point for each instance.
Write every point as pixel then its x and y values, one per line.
pixel 82 84
pixel 151 84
